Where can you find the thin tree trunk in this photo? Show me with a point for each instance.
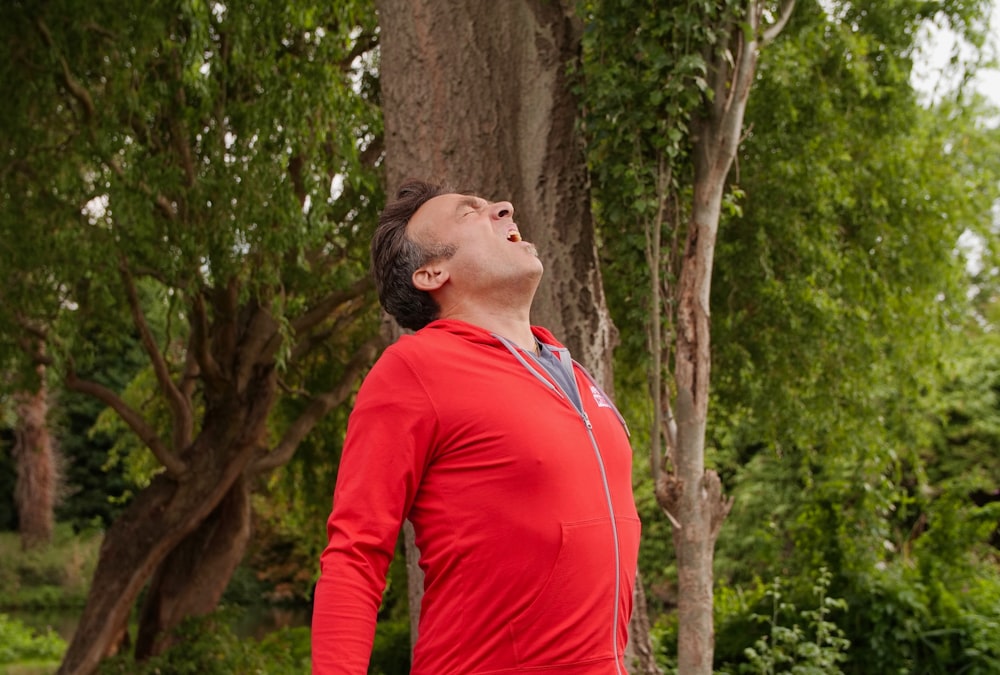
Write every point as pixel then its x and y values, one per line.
pixel 191 579
pixel 37 467
pixel 690 493
pixel 414 582
pixel 639 654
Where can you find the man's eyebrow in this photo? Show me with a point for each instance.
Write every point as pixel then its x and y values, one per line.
pixel 470 201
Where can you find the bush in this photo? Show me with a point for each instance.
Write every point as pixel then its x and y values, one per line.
pixel 19 644
pixel 763 631
pixel 900 622
pixel 54 576
pixel 208 646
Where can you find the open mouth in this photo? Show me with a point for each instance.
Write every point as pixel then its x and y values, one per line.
pixel 514 236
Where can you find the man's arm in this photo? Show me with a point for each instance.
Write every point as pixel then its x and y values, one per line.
pixel 386 448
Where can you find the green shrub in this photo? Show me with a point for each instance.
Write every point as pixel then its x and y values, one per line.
pixel 53 576
pixel 901 622
pixel 762 630
pixel 208 646
pixel 391 649
pixel 19 644
pixel 801 642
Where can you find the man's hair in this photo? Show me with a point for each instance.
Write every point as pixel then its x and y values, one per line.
pixel 395 257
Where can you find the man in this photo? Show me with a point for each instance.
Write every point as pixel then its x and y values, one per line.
pixel 512 465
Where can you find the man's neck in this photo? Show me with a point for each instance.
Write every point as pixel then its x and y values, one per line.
pixel 515 326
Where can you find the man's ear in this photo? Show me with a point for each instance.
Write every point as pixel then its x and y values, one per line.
pixel 430 277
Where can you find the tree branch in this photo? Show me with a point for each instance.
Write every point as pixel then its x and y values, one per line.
pixel 365 42
pixel 165 206
pixel 784 14
pixel 345 315
pixel 76 90
pixel 320 406
pixel 199 342
pixel 260 340
pixel 183 419
pixel 326 306
pixel 173 464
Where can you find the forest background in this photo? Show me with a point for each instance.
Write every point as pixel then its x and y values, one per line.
pixel 188 190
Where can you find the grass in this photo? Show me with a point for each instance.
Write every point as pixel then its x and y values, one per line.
pixel 46 668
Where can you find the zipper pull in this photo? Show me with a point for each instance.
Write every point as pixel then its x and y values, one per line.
pixel 586 420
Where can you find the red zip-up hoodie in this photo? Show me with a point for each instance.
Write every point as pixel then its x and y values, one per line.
pixel 521 503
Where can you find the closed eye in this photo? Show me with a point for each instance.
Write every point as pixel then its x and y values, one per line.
pixel 471 206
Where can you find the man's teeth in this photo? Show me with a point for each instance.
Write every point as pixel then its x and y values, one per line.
pixel 514 236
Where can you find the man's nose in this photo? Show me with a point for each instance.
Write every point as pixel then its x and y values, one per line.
pixel 499 210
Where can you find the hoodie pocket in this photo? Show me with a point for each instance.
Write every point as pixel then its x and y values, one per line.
pixel 573 618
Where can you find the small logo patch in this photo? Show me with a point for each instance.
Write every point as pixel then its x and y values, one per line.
pixel 599 397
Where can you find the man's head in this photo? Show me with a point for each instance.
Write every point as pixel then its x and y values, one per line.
pixel 395 257
pixel 443 253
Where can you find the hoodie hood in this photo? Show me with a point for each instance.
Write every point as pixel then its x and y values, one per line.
pixel 473 333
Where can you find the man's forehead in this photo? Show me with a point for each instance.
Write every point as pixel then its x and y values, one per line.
pixel 448 204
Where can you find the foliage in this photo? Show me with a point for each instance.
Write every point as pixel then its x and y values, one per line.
pixel 57 575
pixel 845 415
pixel 840 275
pixel 391 650
pixel 902 622
pixel 208 646
pixel 95 490
pixel 814 648
pixel 644 76
pixel 19 644
pixel 201 177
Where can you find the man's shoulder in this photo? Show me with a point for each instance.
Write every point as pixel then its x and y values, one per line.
pixel 422 348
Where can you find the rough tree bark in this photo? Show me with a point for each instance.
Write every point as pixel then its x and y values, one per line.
pixel 691 494
pixel 35 457
pixel 480 99
pixel 191 579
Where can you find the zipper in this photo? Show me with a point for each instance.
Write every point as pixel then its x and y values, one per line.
pixel 614 534
pixel 568 363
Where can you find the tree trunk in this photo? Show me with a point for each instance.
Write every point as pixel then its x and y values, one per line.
pixel 165 514
pixel 37 468
pixel 414 582
pixel 639 656
pixel 191 579
pixel 692 495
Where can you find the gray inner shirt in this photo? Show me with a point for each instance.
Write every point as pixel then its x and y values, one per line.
pixel 566 380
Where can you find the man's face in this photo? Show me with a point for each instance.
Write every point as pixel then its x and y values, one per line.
pixel 489 251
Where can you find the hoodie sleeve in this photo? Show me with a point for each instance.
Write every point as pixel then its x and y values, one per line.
pixel 388 441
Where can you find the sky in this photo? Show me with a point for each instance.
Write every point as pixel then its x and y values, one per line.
pixel 932 74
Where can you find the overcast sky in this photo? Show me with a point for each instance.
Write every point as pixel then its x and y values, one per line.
pixel 932 73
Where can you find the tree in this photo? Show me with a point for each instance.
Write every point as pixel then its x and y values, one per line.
pixel 176 161
pixel 697 65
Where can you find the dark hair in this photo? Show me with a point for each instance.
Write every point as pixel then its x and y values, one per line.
pixel 395 257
